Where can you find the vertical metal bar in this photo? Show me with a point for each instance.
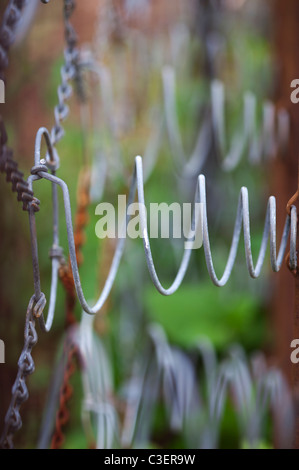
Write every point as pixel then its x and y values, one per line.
pixel 295 367
pixel 34 251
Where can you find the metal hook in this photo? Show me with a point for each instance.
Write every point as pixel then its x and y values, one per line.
pixel 56 253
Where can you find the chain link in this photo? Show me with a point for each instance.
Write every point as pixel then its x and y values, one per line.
pixel 9 25
pixel 13 421
pixel 71 70
pixel 8 165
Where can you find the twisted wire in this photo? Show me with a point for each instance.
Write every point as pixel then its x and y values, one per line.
pixel 8 165
pixel 66 393
pixel 70 70
pixel 11 18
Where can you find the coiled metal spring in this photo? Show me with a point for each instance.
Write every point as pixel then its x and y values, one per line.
pixel 242 221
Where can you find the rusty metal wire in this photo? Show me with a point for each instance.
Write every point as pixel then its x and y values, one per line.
pixel 8 165
pixel 291 259
pixel 63 416
pixel 13 421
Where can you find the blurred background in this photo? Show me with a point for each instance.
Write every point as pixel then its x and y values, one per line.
pixel 207 366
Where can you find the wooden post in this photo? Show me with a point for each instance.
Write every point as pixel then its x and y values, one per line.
pixel 285 184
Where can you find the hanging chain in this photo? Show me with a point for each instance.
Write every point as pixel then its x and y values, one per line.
pixel 8 165
pixel 13 421
pixel 71 70
pixel 9 25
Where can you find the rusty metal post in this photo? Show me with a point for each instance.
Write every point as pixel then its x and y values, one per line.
pixel 295 367
pixel 285 183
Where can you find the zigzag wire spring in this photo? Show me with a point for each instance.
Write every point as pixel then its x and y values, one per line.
pixel 274 134
pixel 242 219
pixel 192 165
pixel 39 171
pixel 260 146
pixel 159 375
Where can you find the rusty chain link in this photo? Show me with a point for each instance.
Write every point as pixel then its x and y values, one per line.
pixel 66 392
pixel 8 165
pixel 11 18
pixel 13 421
pixel 70 70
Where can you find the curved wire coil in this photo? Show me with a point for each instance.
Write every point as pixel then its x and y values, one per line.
pixel 40 170
pixel 260 142
pixel 137 185
pixel 272 138
pixel 165 372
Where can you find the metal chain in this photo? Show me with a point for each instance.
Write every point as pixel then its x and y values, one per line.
pixel 12 16
pixel 13 421
pixel 13 175
pixel 71 70
pixel 8 165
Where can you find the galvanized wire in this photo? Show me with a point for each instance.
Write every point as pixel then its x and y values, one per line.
pixel 195 397
pixel 242 220
pixel 260 145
